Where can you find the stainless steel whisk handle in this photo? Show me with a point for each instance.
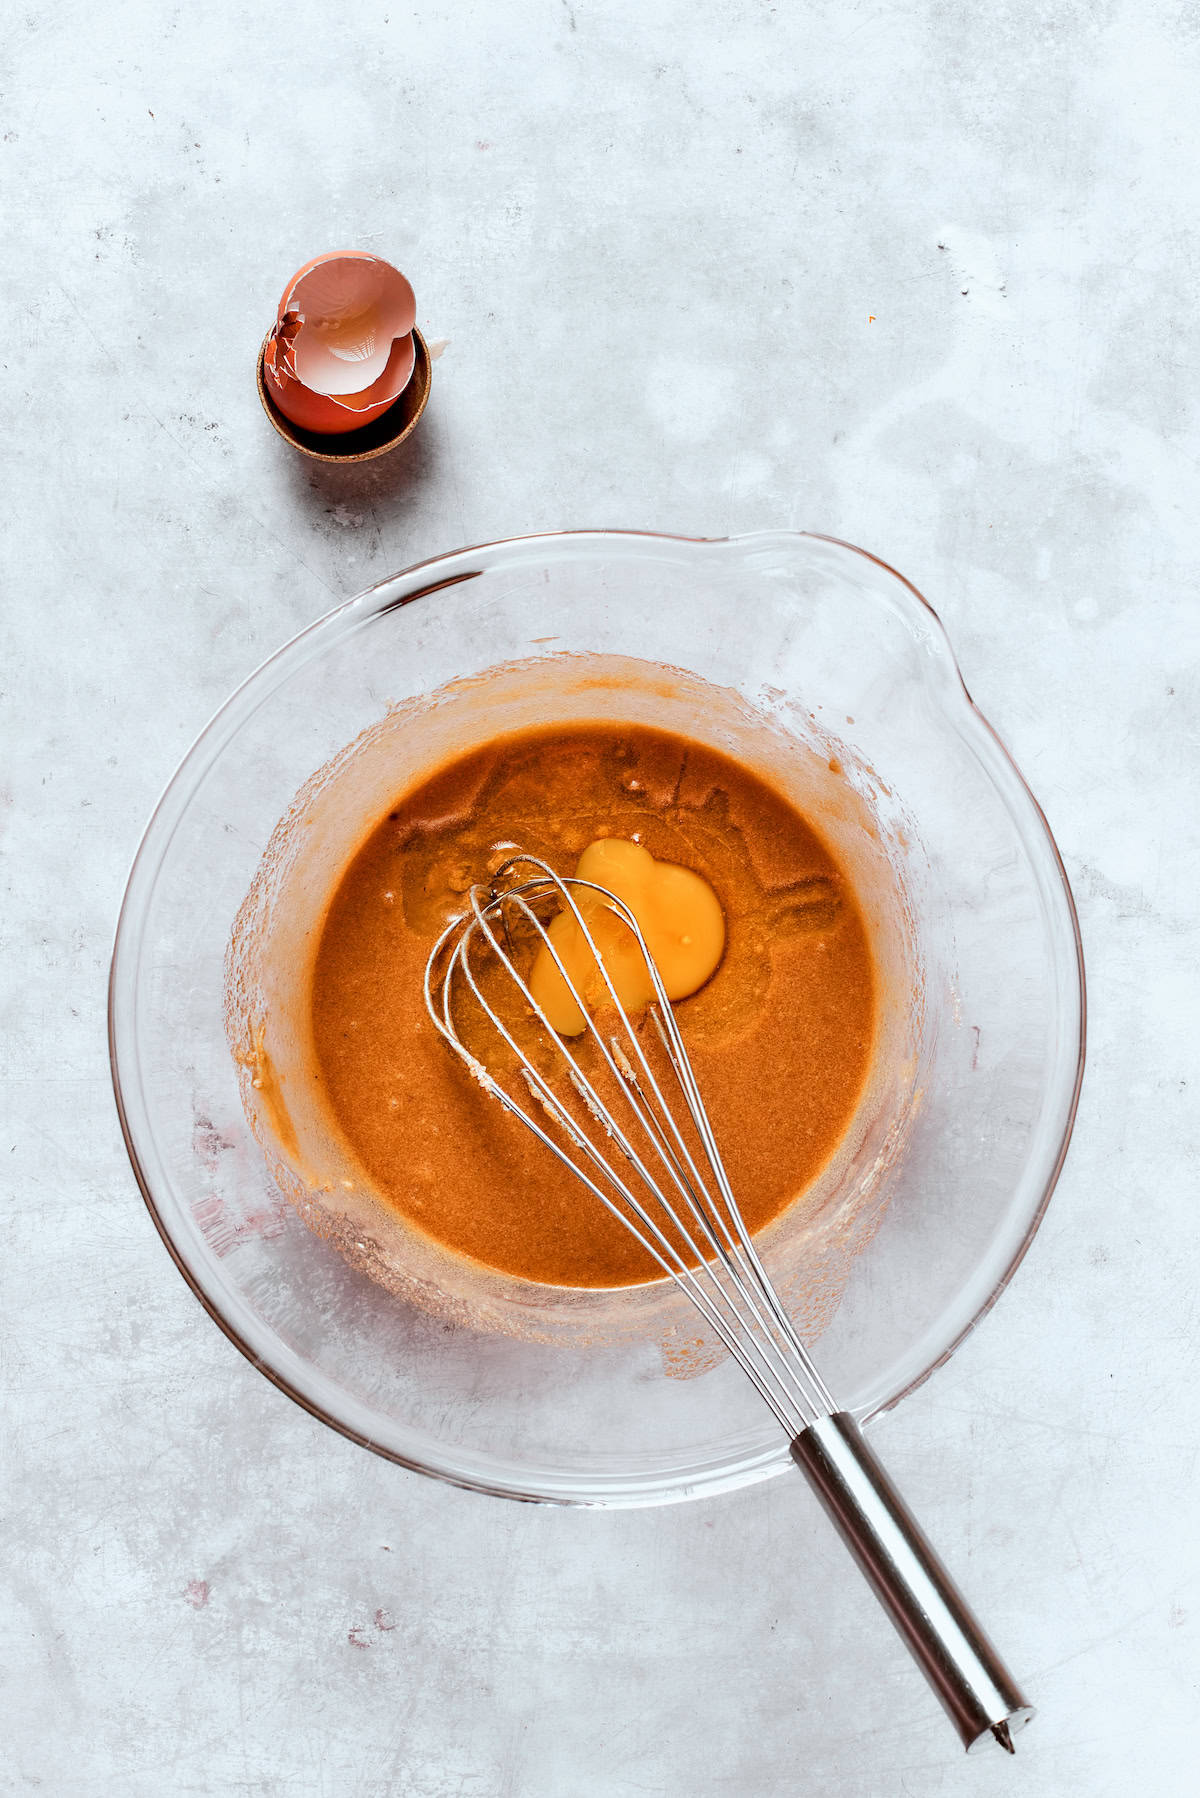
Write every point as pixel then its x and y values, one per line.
pixel 980 1696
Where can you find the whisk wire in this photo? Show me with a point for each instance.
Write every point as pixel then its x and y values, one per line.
pixel 750 1289
pixel 745 1252
pixel 736 1254
pixel 733 1261
pixel 738 1301
pixel 547 1096
pixel 731 1324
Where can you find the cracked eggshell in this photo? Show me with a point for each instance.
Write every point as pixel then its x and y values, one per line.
pixel 342 348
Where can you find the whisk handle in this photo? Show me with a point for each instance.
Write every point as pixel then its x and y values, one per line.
pixel 956 1657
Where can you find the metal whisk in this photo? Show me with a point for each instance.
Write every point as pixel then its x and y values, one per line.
pixel 600 1109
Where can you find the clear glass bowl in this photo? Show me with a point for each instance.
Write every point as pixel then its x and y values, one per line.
pixel 845 661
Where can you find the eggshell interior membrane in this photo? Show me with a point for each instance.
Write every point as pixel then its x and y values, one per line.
pixel 342 350
pixel 352 308
pixel 330 414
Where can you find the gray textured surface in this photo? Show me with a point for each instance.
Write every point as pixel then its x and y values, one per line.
pixel 919 276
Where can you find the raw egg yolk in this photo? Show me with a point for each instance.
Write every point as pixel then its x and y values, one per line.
pixel 678 914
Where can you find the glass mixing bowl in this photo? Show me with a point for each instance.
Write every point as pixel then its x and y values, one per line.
pixel 842 660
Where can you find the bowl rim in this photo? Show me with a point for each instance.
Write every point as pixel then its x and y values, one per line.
pixel 404 588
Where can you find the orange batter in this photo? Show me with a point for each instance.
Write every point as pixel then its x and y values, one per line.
pixel 780 1037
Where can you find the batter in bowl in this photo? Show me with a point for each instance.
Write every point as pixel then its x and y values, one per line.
pixel 781 1036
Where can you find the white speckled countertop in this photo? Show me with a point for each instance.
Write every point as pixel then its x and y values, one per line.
pixel 916 276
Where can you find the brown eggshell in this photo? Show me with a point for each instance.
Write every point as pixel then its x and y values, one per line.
pixel 331 413
pixel 342 350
